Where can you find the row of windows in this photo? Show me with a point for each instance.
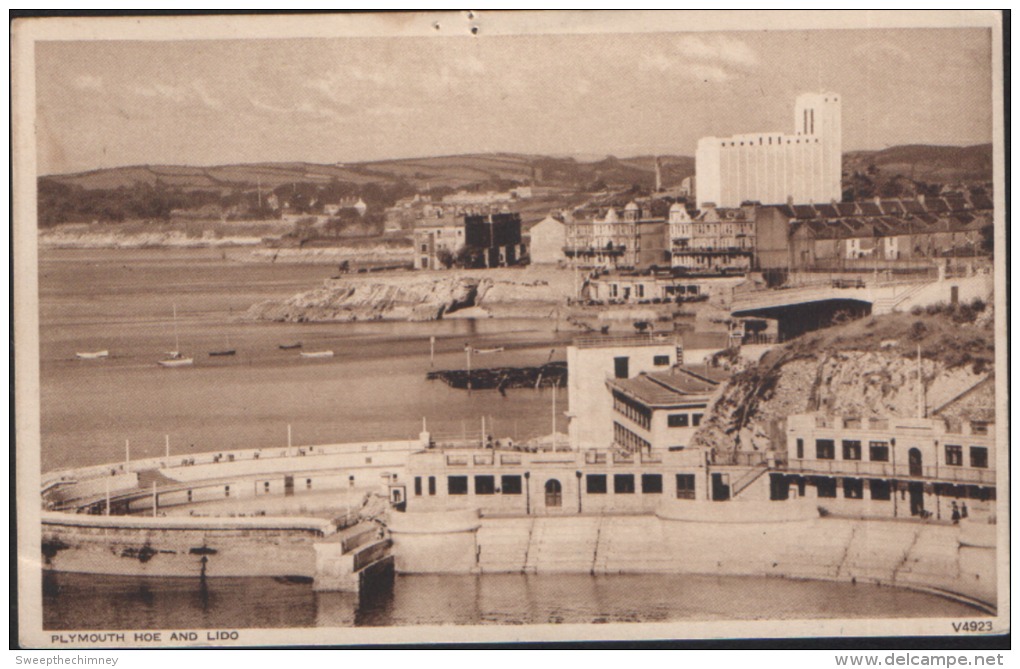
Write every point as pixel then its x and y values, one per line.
pixel 638 413
pixel 825 449
pixel 878 489
pixel 978 456
pixel 595 484
pixel 684 420
pixel 878 451
pixel 628 440
pixel 779 141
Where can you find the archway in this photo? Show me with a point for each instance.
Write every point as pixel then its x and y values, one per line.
pixel 553 493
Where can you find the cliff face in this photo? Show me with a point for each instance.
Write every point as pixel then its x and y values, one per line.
pixel 865 369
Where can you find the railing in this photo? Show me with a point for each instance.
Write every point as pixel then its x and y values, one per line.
pixel 457 460
pixel 509 459
pixel 483 459
pixel 748 478
pixel 595 458
pixel 890 470
pixel 625 340
pixel 740 458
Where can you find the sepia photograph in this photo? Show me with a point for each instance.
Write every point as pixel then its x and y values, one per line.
pixel 395 328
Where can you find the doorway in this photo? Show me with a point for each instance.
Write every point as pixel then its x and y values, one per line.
pixel 553 493
pixel 288 486
pixel 916 491
pixel 914 460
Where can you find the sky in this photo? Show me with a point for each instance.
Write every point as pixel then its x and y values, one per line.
pixel 111 103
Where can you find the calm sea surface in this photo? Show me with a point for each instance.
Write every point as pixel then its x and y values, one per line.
pixel 374 388
pixel 75 601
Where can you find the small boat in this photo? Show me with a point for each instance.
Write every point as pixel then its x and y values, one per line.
pixel 175 358
pixel 483 351
pixel 288 347
pixel 224 351
pixel 94 355
pixel 176 362
pixel 316 354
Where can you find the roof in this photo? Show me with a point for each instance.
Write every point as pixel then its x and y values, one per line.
pixel 680 385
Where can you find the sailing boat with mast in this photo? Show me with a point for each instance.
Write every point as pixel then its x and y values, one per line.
pixel 175 358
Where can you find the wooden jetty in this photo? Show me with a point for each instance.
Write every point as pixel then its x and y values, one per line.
pixel 501 378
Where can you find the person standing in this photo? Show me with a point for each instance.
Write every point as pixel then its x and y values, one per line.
pixel 956 514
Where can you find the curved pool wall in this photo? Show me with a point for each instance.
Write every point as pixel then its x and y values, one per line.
pixel 924 556
pixel 785 539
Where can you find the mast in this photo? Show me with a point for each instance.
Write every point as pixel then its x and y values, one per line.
pixel 177 341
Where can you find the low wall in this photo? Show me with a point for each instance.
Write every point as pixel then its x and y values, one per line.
pixel 181 546
pixel 435 542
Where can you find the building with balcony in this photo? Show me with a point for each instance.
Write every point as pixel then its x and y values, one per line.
pixel 889 466
pixel 614 240
pixel 716 242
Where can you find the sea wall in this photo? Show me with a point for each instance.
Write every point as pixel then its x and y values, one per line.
pixel 192 547
pixel 926 556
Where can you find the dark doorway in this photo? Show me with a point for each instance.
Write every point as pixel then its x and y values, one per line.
pixel 916 491
pixel 288 486
pixel 553 493
pixel 720 487
pixel 914 458
pixel 621 367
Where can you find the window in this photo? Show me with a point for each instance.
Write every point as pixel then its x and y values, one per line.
pixel 639 290
pixel 622 367
pixel 596 484
pixel 485 485
pixel 826 487
pixel 432 485
pixel 878 451
pixel 651 484
pixel 677 420
pixel 954 455
pixel 417 486
pixel 979 427
pixel 424 248
pixel 800 449
pixel 308 483
pixel 696 419
pixel 623 484
pixel 629 441
pixel 510 484
pixel 661 360
pixel 226 491
pixel 979 456
pixel 265 486
pixel 879 489
pixel 851 449
pixel 685 486
pixel 613 292
pixel 853 488
pixel 825 449
pixel 457 485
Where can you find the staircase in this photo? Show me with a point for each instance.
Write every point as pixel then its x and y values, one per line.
pixel 558 546
pixel 749 477
pixel 885 305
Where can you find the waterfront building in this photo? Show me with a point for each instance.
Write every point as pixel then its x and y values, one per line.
pixel 889 466
pixel 591 361
pixel 518 482
pixel 774 167
pixel 548 237
pixel 715 242
pixel 619 240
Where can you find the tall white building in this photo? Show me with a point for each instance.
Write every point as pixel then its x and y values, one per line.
pixel 772 167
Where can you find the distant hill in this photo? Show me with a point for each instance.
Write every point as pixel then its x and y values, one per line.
pixel 923 162
pixel 437 172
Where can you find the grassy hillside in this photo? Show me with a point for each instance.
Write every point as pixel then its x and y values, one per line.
pixel 921 162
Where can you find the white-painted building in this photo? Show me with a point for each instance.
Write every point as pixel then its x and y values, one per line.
pixel 548 237
pixel 774 167
pixel 594 360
